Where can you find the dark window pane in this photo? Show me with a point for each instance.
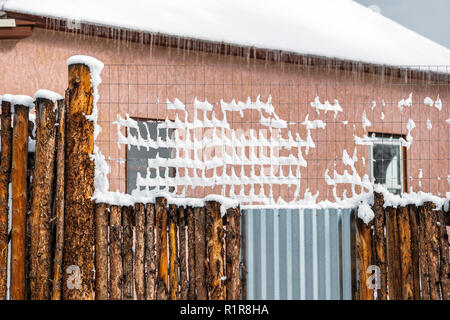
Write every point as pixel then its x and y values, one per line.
pixel 137 159
pixel 387 166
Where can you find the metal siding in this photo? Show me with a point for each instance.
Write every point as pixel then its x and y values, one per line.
pixel 298 253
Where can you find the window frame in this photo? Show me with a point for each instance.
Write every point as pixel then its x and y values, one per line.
pixel 390 139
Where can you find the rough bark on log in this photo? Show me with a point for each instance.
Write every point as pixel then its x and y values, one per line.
pixel 364 251
pixel 393 255
pixel 431 236
pixel 5 179
pixel 200 253
pixel 380 244
pixel 415 251
pixel 78 206
pixel 140 251
pixel 423 257
pixel 444 255
pixel 59 202
pixel 150 259
pixel 127 259
pixel 30 183
pixel 42 203
pixel 173 272
pixel 191 252
pixel 101 252
pixel 163 276
pixel 404 230
pixel 233 218
pixel 19 202
pixel 182 262
pixel 214 236
pixel 115 259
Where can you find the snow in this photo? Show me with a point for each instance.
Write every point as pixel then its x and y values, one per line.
pixel 365 122
pixel 48 95
pixel 365 213
pixel 405 102
pixel 18 100
pixel 326 106
pixel 340 29
pixel 429 125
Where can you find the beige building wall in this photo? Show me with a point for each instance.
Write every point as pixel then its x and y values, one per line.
pixel 136 77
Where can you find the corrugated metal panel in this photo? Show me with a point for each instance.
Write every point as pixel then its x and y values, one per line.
pixel 298 253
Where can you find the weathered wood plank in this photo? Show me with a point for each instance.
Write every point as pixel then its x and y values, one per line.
pixel 200 253
pixel 139 278
pixel 364 251
pixel 214 236
pixel 191 252
pixel 79 175
pixel 5 179
pixel 183 283
pixel 393 255
pixel 101 252
pixel 233 246
pixel 150 252
pixel 405 253
pixel 380 244
pixel 127 257
pixel 115 260
pixel 163 275
pixel 59 201
pixel 19 202
pixel 173 263
pixel 415 251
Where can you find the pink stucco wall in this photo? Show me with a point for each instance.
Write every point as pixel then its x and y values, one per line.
pixel 136 76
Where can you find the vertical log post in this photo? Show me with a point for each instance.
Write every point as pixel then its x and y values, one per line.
pixel 380 244
pixel 140 251
pixel 59 202
pixel 182 265
pixel 19 202
pixel 415 251
pixel 101 252
pixel 191 252
pixel 423 258
pixel 115 260
pixel 393 255
pixel 364 251
pixel 127 258
pixel 161 222
pixel 444 255
pixel 173 272
pixel 200 253
pixel 214 236
pixel 233 246
pixel 5 179
pixel 41 209
pixel 404 231
pixel 431 236
pixel 150 260
pixel 79 208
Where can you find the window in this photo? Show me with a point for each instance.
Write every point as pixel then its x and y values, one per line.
pixel 388 162
pixel 137 160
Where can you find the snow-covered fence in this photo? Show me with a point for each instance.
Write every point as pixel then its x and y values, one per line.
pixel 406 248
pixel 165 251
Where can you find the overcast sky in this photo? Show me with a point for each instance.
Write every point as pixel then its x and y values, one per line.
pixel 430 18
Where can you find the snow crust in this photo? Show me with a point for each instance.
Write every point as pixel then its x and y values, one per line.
pixel 48 95
pixel 16 100
pixel 340 29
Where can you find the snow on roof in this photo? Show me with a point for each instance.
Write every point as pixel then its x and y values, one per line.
pixel 339 29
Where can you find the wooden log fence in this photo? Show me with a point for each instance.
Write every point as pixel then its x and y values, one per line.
pixel 410 247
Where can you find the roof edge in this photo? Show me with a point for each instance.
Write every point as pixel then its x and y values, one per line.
pixel 227 49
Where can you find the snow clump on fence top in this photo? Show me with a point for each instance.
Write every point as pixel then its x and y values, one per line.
pixel 48 95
